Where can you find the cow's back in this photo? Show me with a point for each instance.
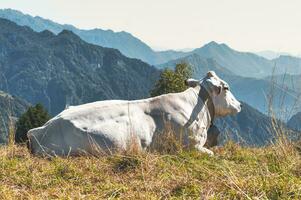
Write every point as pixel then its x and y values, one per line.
pixel 98 126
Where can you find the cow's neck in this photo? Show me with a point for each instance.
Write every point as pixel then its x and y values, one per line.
pixel 207 99
pixel 192 104
pixel 202 103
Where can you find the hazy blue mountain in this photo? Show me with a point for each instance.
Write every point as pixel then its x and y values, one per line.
pixel 295 122
pixel 261 94
pixel 248 64
pixel 11 108
pixel 200 66
pixel 126 43
pixel 240 63
pixel 273 54
pixel 292 82
pixel 251 127
pixel 253 91
pixel 289 64
pixel 62 69
pixel 270 55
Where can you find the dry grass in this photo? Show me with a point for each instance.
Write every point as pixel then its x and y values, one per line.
pixel 233 173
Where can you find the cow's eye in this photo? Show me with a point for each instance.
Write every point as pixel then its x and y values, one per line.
pixel 226 88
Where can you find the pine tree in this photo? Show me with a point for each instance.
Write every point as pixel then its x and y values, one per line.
pixel 35 116
pixel 172 80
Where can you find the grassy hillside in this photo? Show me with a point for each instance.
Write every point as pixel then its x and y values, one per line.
pixel 233 173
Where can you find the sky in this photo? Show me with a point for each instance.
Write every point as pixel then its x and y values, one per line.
pixel 246 25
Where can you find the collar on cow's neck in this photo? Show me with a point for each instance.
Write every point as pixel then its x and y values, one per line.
pixel 206 98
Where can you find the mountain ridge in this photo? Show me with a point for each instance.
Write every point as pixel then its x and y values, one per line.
pixel 51 65
pixel 128 44
pixel 248 64
pixel 245 64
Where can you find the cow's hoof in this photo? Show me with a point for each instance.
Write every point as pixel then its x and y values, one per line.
pixel 204 150
pixel 209 152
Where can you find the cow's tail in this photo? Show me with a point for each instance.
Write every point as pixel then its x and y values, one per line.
pixel 29 146
pixel 30 141
pixel 33 143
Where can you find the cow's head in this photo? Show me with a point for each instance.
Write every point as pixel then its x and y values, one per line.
pixel 224 101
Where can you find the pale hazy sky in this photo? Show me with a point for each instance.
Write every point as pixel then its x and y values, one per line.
pixel 248 25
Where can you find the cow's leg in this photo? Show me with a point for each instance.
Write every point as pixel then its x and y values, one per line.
pixel 212 137
pixel 204 150
pixel 200 137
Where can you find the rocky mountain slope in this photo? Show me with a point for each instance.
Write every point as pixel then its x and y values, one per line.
pixel 62 69
pixel 11 108
pixel 251 127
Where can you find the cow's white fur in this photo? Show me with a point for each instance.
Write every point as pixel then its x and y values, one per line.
pixel 113 124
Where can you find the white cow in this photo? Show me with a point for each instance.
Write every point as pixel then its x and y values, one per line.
pixel 115 124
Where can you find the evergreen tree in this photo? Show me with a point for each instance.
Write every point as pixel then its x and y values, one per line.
pixel 34 117
pixel 172 80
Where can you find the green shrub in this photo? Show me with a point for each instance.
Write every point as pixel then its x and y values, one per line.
pixel 172 80
pixel 34 117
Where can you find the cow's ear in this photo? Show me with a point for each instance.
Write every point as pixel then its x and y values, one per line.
pixel 211 74
pixel 213 86
pixel 192 82
pixel 218 89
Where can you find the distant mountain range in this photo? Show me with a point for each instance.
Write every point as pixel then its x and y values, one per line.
pixel 62 69
pixel 240 63
pixel 126 43
pixel 248 64
pixel 271 54
pixel 252 128
pixel 291 82
pixel 295 122
pixel 200 66
pixel 10 109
